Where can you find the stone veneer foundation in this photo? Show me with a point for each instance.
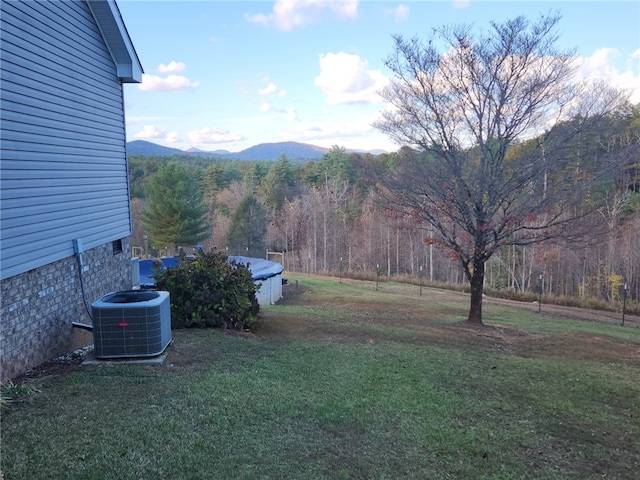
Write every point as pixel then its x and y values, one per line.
pixel 39 306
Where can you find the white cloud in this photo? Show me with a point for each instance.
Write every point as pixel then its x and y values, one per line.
pixel 290 14
pixel 270 88
pixel 599 64
pixel 171 83
pixel 600 67
pixel 265 107
pixel 153 132
pixel 259 18
pixel 354 133
pixel 207 135
pixel 461 4
pixel 401 13
pixel 171 67
pixel 345 78
pixel 150 131
pixel 173 137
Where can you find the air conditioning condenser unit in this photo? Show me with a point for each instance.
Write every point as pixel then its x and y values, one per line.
pixel 131 323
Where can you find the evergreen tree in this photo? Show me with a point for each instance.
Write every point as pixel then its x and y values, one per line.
pixel 278 184
pixel 336 164
pixel 248 228
pixel 253 173
pixel 175 214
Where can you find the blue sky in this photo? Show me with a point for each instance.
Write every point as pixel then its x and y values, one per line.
pixel 232 74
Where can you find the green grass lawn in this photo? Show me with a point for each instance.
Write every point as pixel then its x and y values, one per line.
pixel 346 382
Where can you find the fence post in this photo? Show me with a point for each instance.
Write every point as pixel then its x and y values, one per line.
pixel 540 295
pixel 624 301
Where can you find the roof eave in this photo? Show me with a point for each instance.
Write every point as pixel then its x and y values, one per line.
pixel 115 35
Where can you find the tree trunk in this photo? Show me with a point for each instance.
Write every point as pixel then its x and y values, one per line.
pixel 477 283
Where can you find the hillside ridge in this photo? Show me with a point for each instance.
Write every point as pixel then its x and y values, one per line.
pixel 262 151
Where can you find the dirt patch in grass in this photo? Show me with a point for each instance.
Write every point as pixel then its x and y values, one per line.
pixel 581 346
pixel 421 319
pixel 56 368
pixel 496 338
pixel 366 319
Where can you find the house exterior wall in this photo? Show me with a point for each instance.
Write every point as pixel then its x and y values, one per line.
pixel 64 170
pixel 39 306
pixel 63 174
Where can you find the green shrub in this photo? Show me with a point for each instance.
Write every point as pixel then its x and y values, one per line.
pixel 208 291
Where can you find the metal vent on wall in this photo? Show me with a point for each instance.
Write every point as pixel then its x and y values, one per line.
pixel 135 272
pixel 131 323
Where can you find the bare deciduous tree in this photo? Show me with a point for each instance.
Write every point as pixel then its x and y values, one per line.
pixel 492 160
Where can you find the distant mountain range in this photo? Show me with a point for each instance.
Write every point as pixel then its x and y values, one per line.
pixel 263 151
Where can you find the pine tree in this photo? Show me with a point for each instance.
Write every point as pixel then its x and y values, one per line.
pixel 278 184
pixel 248 227
pixel 175 214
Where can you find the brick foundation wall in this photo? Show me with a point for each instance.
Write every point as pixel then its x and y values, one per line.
pixel 38 306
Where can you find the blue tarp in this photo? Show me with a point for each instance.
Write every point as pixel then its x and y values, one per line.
pixel 260 268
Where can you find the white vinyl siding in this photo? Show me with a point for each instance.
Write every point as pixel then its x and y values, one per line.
pixel 64 171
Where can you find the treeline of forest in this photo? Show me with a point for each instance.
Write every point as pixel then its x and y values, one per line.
pixel 328 216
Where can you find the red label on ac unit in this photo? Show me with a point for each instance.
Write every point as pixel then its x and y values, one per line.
pixel 123 324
